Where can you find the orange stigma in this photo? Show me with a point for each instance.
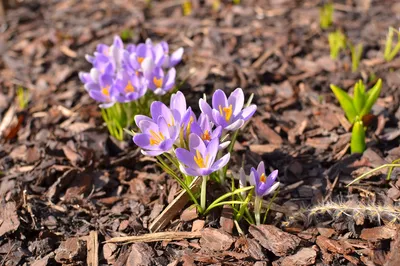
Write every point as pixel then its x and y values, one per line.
pixel 106 91
pixel 226 112
pixel 129 87
pixel 156 139
pixel 206 135
pixel 263 178
pixel 200 161
pixel 158 82
pixel 140 59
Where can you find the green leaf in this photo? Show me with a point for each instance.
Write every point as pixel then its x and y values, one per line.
pixel 359 96
pixel 372 97
pixel 345 102
pixel 357 144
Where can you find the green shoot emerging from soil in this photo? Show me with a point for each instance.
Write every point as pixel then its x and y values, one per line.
pixel 391 52
pixel 326 16
pixel 356 53
pixel 23 98
pixel 356 108
pixel 337 42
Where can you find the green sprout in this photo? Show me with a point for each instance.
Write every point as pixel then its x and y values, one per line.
pixel 187 7
pixel 356 108
pixel 390 53
pixel 126 35
pixel 356 53
pixel 216 5
pixel 326 16
pixel 337 42
pixel 236 2
pixel 22 97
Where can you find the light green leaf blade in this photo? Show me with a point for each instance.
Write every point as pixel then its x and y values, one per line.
pixel 357 144
pixel 372 97
pixel 346 102
pixel 359 96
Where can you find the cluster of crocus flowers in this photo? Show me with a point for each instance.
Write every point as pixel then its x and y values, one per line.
pixel 194 143
pixel 263 185
pixel 124 74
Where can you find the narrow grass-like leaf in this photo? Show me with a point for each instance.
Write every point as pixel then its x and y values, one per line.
pixel 346 102
pixel 357 144
pixel 372 96
pixel 359 97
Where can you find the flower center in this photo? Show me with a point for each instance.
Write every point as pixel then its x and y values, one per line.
pixel 206 135
pixel 263 178
pixel 129 87
pixel 140 59
pixel 158 82
pixel 156 138
pixel 106 91
pixel 226 112
pixel 199 160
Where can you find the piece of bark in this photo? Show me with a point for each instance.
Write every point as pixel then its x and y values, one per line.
pixel 306 256
pixel 274 239
pixel 266 133
pixel 9 221
pixel 378 233
pixel 326 232
pixel 141 255
pixel 226 220
pixel 189 214
pixel 71 250
pixel 215 239
pixel 393 258
pixel 198 225
pixel 264 148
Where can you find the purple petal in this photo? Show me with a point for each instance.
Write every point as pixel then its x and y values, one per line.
pixel 252 179
pixel 190 171
pixel 163 126
pixel 219 100
pixel 236 99
pixel 98 96
pixel 139 118
pixel 248 112
pixel 186 157
pixel 178 102
pixel 142 140
pixel 152 153
pixel 176 57
pixel 271 189
pixel 261 168
pixel 212 150
pixel 166 145
pixel 197 144
pixel 221 162
pixel 219 119
pixel 158 54
pixel 169 80
pixel 235 125
pixel 206 109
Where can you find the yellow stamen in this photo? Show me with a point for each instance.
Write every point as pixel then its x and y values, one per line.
pixel 206 135
pixel 226 112
pixel 129 87
pixel 140 59
pixel 200 161
pixel 191 120
pixel 172 121
pixel 156 139
pixel 158 82
pixel 106 91
pixel 137 73
pixel 263 178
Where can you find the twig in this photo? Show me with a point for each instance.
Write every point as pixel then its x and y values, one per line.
pixel 154 237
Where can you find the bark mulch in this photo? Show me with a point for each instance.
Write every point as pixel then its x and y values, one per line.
pixel 69 192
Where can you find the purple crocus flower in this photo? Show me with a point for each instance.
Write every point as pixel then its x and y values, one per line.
pixel 160 83
pixel 173 59
pixel 103 91
pixel 129 87
pixel 137 57
pixel 159 133
pixel 263 185
pixel 228 112
pixel 200 159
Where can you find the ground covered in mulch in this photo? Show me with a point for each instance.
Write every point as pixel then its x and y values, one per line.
pixel 67 187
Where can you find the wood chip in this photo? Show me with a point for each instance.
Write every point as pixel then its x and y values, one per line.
pixel 215 239
pixel 306 256
pixel 274 239
pixel 92 249
pixel 378 233
pixel 9 221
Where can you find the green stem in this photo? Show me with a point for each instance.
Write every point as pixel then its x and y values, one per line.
pixel 257 209
pixel 203 193
pixel 372 171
